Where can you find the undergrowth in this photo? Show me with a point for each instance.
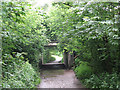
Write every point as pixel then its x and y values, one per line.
pixel 18 73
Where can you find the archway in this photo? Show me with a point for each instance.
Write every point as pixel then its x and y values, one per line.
pixel 52 58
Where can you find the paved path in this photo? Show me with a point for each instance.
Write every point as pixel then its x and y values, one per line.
pixel 59 79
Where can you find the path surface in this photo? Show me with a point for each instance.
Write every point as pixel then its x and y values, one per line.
pixel 57 59
pixel 59 79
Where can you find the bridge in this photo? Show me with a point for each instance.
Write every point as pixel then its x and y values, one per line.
pixel 68 59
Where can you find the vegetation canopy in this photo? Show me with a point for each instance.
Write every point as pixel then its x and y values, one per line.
pixel 89 29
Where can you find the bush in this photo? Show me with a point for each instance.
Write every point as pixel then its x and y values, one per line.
pixel 20 75
pixel 48 56
pixel 29 76
pixel 104 80
pixel 83 70
pixel 52 58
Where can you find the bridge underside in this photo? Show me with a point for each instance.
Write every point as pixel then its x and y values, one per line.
pixel 53 66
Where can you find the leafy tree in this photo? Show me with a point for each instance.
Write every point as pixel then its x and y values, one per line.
pixel 91 30
pixel 23 39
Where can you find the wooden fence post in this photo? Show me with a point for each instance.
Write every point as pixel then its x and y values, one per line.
pixel 65 57
pixel 70 59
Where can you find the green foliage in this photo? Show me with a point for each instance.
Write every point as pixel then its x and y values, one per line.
pixel 52 58
pixel 23 38
pixel 91 29
pixel 18 74
pixel 103 80
pixel 48 55
pixel 83 71
pixel 56 52
pixel 22 32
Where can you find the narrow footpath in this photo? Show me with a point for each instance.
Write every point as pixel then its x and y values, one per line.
pixel 59 79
